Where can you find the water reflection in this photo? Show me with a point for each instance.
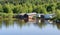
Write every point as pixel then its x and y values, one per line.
pixel 58 25
pixel 36 22
pixel 0 24
pixel 36 26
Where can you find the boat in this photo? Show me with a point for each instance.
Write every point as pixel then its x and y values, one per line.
pixel 40 15
pixel 49 16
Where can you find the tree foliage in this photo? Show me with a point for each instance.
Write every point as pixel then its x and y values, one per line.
pixel 28 6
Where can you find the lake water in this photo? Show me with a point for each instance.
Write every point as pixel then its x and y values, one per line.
pixel 31 27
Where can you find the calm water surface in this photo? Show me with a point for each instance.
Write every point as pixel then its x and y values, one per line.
pixel 35 27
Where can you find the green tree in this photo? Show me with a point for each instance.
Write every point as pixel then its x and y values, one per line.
pixel 1 8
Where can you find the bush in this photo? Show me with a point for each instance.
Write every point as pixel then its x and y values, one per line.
pixel 58 14
pixel 49 8
pixel 1 8
pixel 7 8
pixel 58 6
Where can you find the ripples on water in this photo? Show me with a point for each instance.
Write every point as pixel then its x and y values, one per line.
pixel 29 27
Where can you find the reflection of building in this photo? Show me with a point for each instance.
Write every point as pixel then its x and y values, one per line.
pixel 39 20
pixel 31 20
